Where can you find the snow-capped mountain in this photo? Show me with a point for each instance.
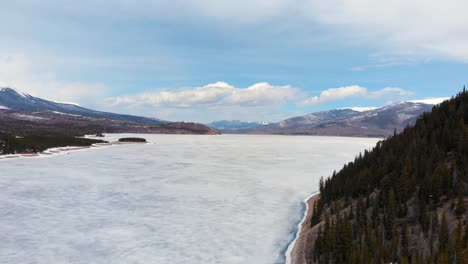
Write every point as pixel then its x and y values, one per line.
pixel 316 118
pixel 370 122
pixel 232 126
pixel 22 113
pixel 15 100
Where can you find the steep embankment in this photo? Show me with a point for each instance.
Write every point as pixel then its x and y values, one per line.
pixel 402 202
pixel 296 251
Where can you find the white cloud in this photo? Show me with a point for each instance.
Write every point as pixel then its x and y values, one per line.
pixel 354 91
pixel 418 28
pixel 18 71
pixel 262 94
pixel 432 101
pixel 384 60
pixel 334 94
pixel 241 11
pixel 436 29
pixel 210 93
pixel 390 94
pixel 216 94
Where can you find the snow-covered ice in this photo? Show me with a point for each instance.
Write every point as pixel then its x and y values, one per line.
pixel 183 199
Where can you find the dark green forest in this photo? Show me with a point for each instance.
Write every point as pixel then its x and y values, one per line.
pixel 132 139
pixel 403 201
pixel 10 144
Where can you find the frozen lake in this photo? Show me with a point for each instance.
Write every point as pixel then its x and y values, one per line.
pixel 183 199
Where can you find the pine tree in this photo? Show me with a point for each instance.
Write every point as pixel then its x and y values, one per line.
pixel 404 241
pixel 423 216
pixel 465 237
pixel 460 207
pixel 404 260
pixel 319 245
pixel 443 233
pixel 314 219
pixel 390 215
pixel 459 244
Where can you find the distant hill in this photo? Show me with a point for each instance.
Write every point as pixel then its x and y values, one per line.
pixel 234 126
pixel 379 122
pixel 405 200
pixel 23 114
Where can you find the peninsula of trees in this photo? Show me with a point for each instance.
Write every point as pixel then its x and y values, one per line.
pixel 10 144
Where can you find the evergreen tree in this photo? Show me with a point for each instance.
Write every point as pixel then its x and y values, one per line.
pixel 459 258
pixel 465 237
pixel 404 241
pixel 460 207
pixel 443 233
pixel 390 215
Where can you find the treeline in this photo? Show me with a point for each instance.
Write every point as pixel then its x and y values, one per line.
pixel 10 144
pixel 402 202
pixel 132 139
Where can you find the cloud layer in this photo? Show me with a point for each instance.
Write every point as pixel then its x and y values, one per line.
pixel 416 28
pixel 18 71
pixel 260 101
pixel 429 29
pixel 389 94
pixel 214 94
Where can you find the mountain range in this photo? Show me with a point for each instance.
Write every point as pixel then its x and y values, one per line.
pixel 23 114
pixel 365 122
pixel 233 126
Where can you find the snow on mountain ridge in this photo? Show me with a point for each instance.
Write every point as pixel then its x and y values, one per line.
pixel 359 108
pixel 67 103
pixel 6 89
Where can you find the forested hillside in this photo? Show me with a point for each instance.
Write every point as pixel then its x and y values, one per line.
pixel 10 144
pixel 403 201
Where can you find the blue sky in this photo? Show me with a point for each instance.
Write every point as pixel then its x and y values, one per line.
pixel 251 60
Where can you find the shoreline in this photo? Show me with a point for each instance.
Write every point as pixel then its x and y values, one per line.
pixel 53 151
pixel 295 253
pixel 50 152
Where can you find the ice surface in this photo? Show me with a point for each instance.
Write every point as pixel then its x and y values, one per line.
pixel 183 199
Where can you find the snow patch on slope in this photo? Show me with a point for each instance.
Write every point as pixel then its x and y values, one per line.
pixel 67 103
pixel 29 117
pixel 61 113
pixel 360 109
